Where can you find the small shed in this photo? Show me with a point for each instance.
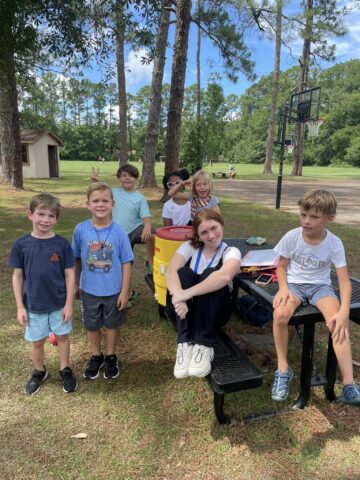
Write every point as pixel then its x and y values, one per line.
pixel 40 153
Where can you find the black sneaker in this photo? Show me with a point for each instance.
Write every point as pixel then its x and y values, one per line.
pixel 68 380
pixel 92 371
pixel 111 366
pixel 37 378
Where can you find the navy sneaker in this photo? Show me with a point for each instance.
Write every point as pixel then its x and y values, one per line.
pixel 111 367
pixel 68 380
pixel 280 388
pixel 95 364
pixel 350 395
pixel 36 379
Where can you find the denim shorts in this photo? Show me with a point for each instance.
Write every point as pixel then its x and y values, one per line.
pixel 40 325
pixel 98 312
pixel 310 293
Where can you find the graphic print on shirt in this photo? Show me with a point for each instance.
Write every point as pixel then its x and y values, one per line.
pixel 99 255
pixel 307 259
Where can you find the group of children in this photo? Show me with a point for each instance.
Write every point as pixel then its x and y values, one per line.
pixel 48 273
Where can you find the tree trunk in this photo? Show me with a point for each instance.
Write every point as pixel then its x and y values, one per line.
pixel 304 68
pixel 177 85
pixel 120 67
pixel 11 157
pixel 148 169
pixel 275 90
pixel 198 96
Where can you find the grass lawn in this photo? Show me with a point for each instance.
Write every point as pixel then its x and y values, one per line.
pixel 146 424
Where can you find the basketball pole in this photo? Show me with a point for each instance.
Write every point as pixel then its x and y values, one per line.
pixel 283 121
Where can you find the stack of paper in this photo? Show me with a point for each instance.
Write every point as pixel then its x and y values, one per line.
pixel 261 259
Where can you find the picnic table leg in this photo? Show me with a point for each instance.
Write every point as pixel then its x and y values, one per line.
pixel 306 365
pixel 331 366
pixel 219 409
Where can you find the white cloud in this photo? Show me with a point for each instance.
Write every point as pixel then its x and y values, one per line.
pixel 136 72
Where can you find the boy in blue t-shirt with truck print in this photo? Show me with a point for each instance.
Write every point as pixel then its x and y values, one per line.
pixel 103 273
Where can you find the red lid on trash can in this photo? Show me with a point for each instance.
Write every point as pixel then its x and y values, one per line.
pixel 174 233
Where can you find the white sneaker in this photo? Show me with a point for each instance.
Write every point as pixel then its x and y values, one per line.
pixel 183 358
pixel 200 364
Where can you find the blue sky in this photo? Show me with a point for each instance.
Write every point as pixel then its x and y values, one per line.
pixel 138 75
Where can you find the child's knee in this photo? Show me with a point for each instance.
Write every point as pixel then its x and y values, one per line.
pixel 280 318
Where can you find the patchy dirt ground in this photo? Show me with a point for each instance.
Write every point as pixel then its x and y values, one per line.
pixel 263 192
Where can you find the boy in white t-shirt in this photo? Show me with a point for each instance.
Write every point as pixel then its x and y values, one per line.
pixel 306 255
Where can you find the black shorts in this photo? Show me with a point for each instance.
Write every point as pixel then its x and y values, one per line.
pixel 98 312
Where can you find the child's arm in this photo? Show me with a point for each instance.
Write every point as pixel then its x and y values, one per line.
pixel 125 289
pixel 146 233
pixel 284 294
pixel 18 288
pixel 78 268
pixel 339 322
pixel 67 311
pixel 174 192
pixel 167 222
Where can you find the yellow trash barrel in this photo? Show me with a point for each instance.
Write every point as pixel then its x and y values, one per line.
pixel 167 240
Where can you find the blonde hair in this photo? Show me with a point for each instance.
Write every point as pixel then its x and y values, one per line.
pixel 45 200
pixel 98 187
pixel 203 216
pixel 201 174
pixel 321 200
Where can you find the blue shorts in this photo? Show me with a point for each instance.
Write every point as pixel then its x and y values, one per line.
pixel 40 325
pixel 310 293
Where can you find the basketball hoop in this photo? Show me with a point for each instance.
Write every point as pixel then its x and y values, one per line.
pixel 290 149
pixel 314 126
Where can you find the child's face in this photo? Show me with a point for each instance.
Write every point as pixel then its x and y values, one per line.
pixel 127 181
pixel 172 181
pixel 100 204
pixel 43 220
pixel 202 187
pixel 314 222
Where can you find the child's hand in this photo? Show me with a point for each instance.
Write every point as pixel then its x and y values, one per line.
pixel 22 316
pixel 339 328
pixel 122 300
pixel 67 313
pixel 95 174
pixel 181 309
pixel 282 297
pixel 146 233
pixel 187 183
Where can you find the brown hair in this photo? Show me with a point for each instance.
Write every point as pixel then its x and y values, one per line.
pixel 203 216
pixel 321 200
pixel 197 176
pixel 98 187
pixel 45 200
pixel 130 169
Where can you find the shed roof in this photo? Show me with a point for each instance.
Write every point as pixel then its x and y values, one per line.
pixel 32 135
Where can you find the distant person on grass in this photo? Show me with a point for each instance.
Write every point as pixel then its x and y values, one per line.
pixel 200 196
pixel 103 273
pixel 176 212
pixel 43 283
pixel 306 255
pixel 199 280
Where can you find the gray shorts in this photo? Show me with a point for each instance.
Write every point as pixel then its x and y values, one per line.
pixel 135 235
pixel 98 312
pixel 310 293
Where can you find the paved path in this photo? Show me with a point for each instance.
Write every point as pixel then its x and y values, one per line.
pixel 263 192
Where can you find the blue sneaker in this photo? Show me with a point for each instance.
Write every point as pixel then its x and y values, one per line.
pixel 350 395
pixel 280 388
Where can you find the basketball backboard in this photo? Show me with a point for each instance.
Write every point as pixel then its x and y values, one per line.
pixel 304 106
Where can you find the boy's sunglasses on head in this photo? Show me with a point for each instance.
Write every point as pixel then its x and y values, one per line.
pixel 172 184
